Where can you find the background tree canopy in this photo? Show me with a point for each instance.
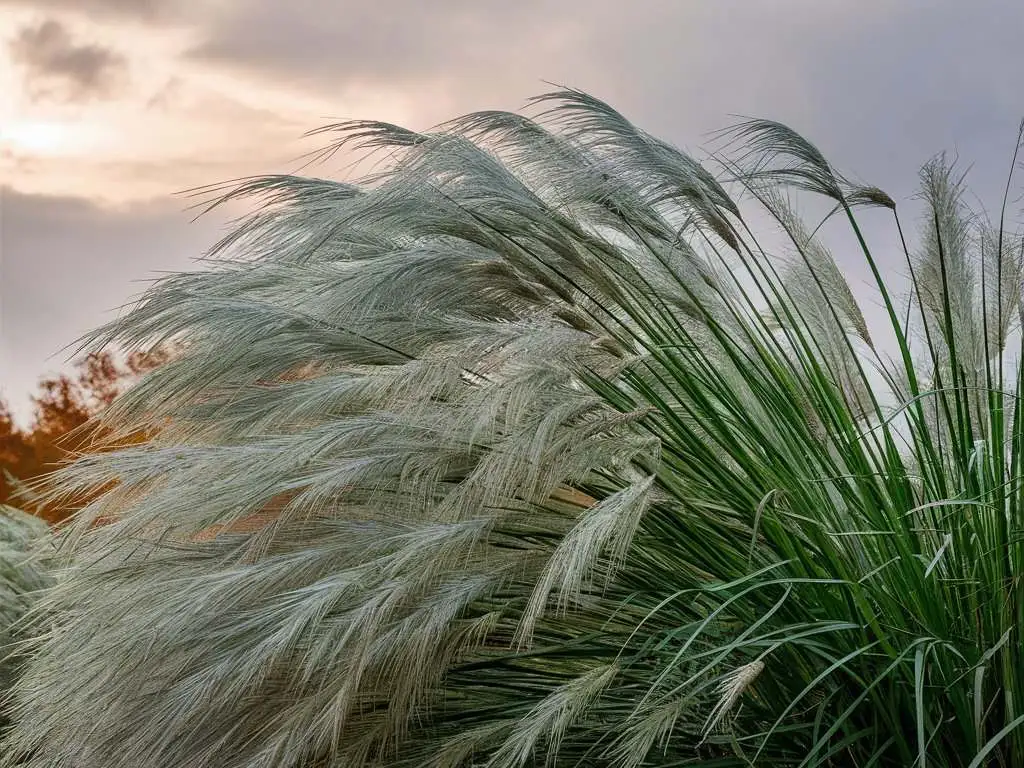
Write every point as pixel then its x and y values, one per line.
pixel 62 408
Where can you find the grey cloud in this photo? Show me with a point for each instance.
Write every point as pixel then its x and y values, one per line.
pixel 880 84
pixel 56 66
pixel 66 264
pixel 470 45
pixel 379 40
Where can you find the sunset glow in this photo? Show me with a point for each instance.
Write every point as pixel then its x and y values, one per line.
pixel 41 137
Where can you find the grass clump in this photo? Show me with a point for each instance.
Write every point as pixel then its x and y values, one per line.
pixel 526 450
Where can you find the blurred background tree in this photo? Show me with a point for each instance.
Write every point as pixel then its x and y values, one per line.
pixel 63 407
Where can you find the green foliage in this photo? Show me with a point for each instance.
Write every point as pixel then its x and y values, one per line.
pixel 524 452
pixel 25 545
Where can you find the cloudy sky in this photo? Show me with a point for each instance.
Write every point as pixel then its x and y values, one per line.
pixel 109 108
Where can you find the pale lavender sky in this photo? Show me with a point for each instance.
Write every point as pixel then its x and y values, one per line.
pixel 109 107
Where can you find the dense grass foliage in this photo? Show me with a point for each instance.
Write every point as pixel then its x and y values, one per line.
pixel 25 572
pixel 524 451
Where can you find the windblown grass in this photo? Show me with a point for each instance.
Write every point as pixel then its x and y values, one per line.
pixel 24 574
pixel 524 452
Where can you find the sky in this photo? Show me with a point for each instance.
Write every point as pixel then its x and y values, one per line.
pixel 111 109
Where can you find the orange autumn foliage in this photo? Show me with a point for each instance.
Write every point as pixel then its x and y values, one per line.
pixel 62 408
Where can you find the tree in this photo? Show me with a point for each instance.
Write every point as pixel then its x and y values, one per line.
pixel 527 451
pixel 62 425
pixel 15 451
